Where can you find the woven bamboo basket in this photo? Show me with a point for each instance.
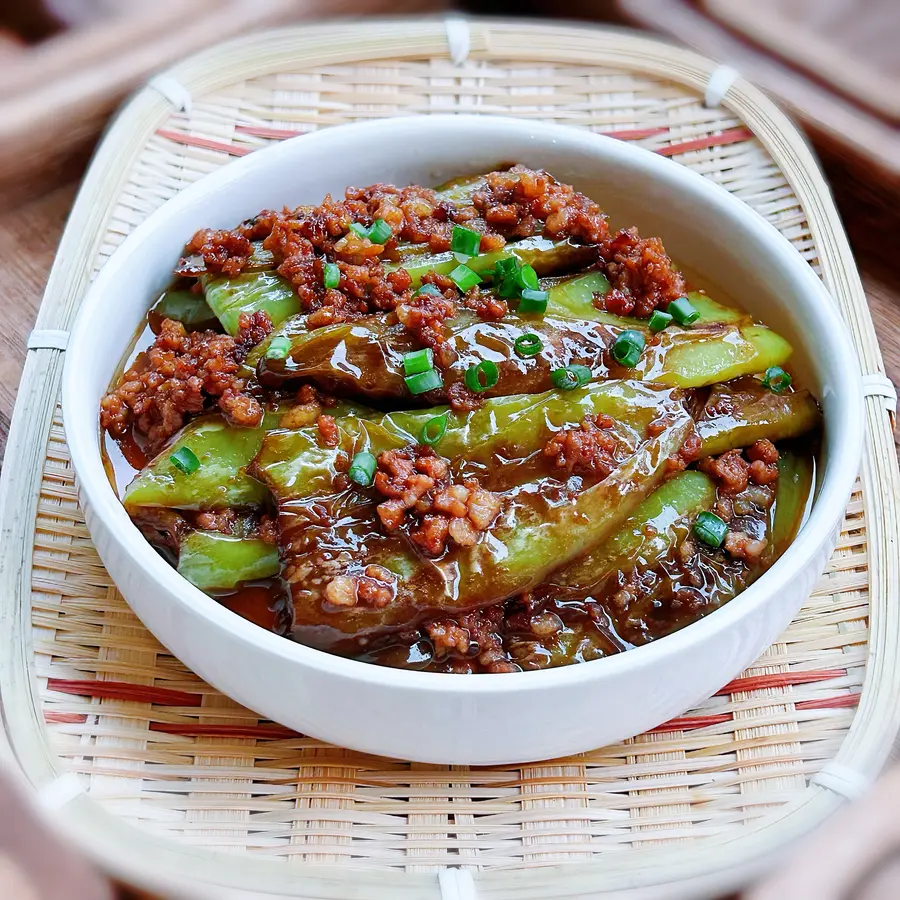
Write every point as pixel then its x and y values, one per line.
pixel 175 787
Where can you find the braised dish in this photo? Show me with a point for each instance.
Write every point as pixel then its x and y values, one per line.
pixel 462 429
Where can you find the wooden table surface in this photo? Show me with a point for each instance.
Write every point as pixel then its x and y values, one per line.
pixel 29 235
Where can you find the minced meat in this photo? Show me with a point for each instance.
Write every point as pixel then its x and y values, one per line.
pixel 641 274
pixel 421 495
pixel 181 375
pixel 586 449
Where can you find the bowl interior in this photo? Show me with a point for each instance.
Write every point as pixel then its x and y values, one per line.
pixel 703 227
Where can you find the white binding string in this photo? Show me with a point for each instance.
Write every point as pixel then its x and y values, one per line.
pixel 457 884
pixel 459 40
pixel 174 91
pixel 721 80
pixel 57 793
pixel 48 339
pixel 842 780
pixel 877 385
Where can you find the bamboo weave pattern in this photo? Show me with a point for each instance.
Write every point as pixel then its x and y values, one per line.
pixel 162 749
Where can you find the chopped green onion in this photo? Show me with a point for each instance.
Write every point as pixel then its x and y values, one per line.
pixel 659 320
pixel 506 280
pixel 464 278
pixel 380 232
pixel 528 345
pixel 185 460
pixel 776 379
pixel 332 275
pixel 710 529
pixel 428 289
pixel 534 301
pixel 362 468
pixel 570 377
pixel 683 312
pixel 433 430
pixel 482 376
pixel 359 230
pixel 278 347
pixel 528 278
pixel 424 381
pixel 628 348
pixel 465 241
pixel 418 361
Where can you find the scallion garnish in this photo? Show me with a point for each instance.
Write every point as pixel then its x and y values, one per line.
pixel 534 301
pixel 331 276
pixel 433 430
pixel 506 279
pixel 464 278
pixel 359 230
pixel 424 381
pixel 428 289
pixel 528 345
pixel 659 320
pixel 628 347
pixel 465 241
pixel 185 460
pixel 362 468
pixel 683 311
pixel 380 232
pixel 417 361
pixel 570 377
pixel 710 529
pixel 528 278
pixel 482 376
pixel 278 347
pixel 776 379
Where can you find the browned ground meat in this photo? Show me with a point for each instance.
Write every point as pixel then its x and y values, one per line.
pixel 642 276
pixel 475 638
pixel 215 520
pixel 689 451
pixel 586 449
pixel 328 430
pixel 485 305
pixel 521 202
pixel 733 472
pixel 267 529
pixel 215 251
pixel 375 587
pixel 424 316
pixel 741 545
pixel 461 399
pixel 179 376
pixel 421 494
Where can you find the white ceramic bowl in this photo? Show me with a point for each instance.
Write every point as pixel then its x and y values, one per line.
pixel 482 719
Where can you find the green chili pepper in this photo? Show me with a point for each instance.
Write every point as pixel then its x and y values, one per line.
pixel 365 358
pixel 219 562
pixel 792 494
pixel 250 292
pixel 753 413
pixel 187 307
pixel 537 532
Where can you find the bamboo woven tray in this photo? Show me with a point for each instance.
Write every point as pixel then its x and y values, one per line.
pixel 170 783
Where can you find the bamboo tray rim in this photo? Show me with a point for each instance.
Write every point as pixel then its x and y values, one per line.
pixel 159 863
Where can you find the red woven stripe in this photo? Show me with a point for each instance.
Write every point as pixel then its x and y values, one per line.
pixel 689 723
pixel 122 690
pixel 191 140
pixel 732 136
pixel 64 717
pixel 270 732
pixel 633 134
pixel 781 679
pixel 838 702
pixel 260 131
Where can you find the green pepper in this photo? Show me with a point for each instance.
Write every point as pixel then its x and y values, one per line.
pixel 792 493
pixel 220 562
pixel 295 465
pixel 366 357
pixel 459 191
pixel 224 452
pixel 187 307
pixel 574 297
pixel 659 523
pixel 543 524
pixel 742 412
pixel 545 256
pixel 250 292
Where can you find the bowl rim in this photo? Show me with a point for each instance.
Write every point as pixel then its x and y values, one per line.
pixel 82 432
